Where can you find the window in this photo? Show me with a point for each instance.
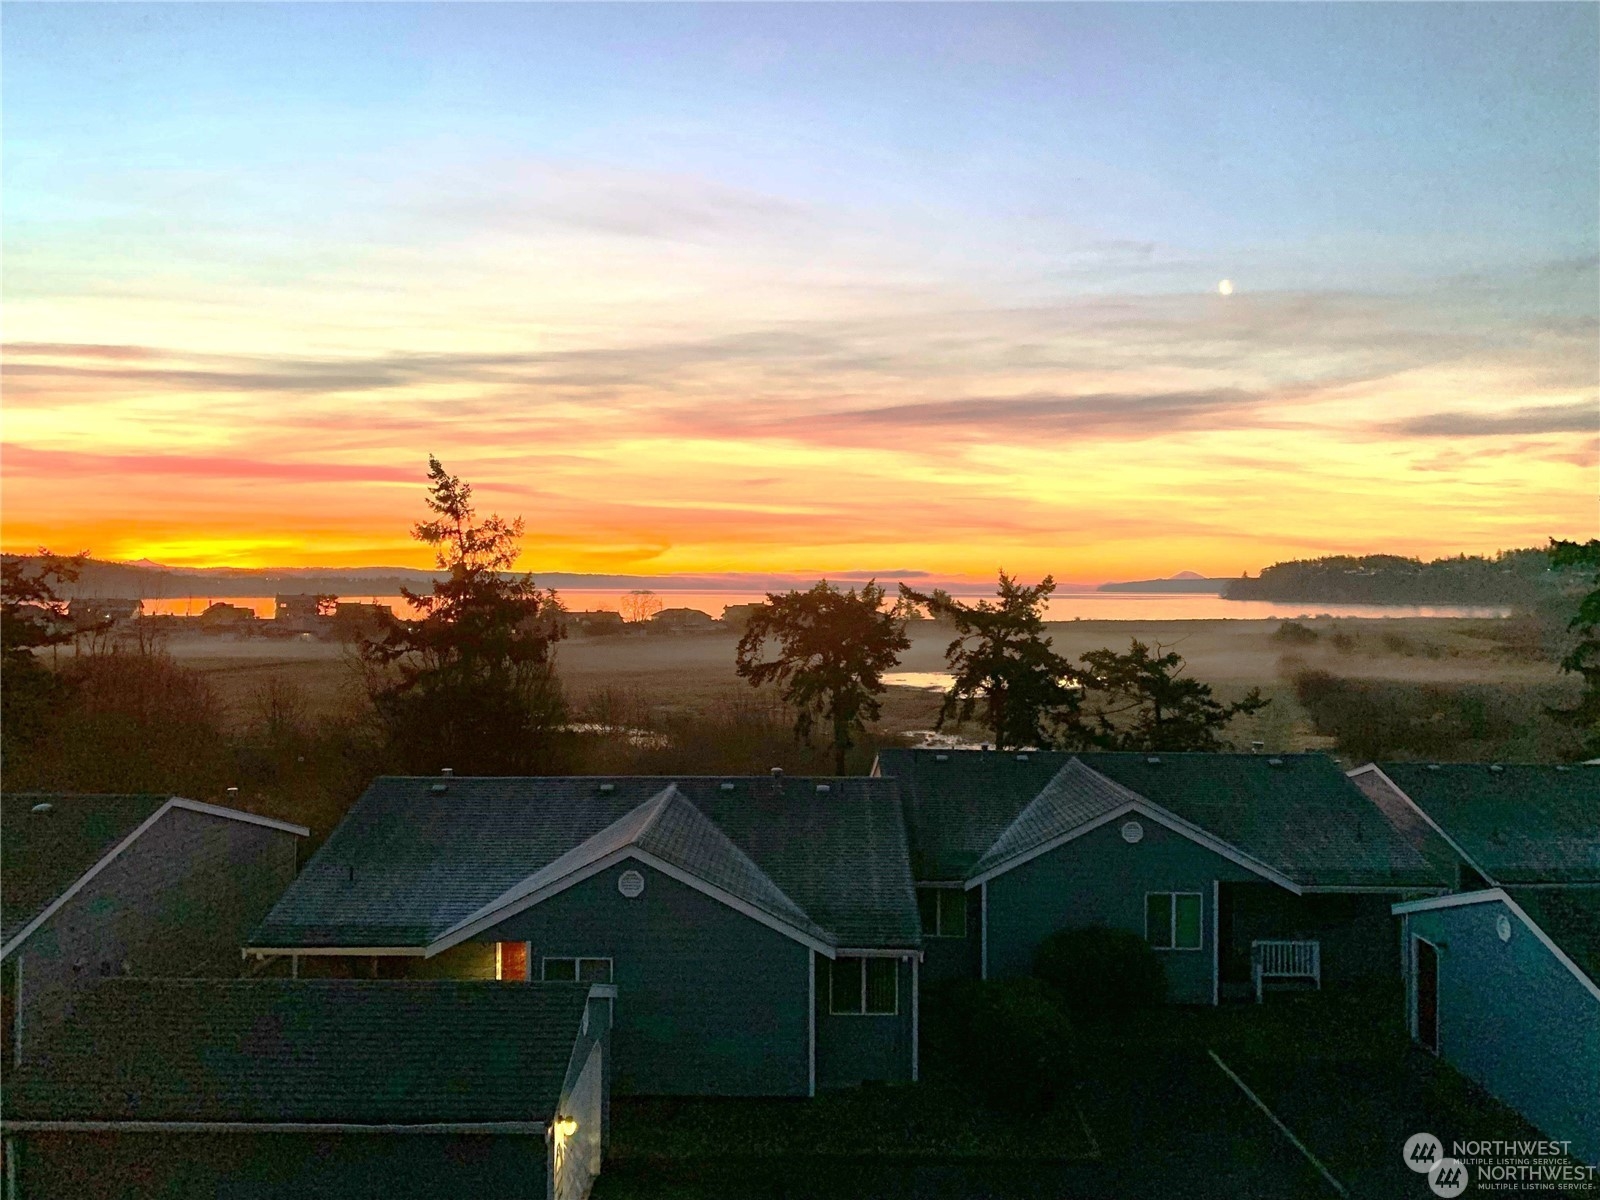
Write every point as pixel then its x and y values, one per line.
pixel 1172 920
pixel 584 970
pixel 511 960
pixel 944 911
pixel 867 987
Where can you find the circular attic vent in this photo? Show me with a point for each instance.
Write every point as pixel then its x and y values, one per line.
pixel 630 884
pixel 1133 832
pixel 1502 926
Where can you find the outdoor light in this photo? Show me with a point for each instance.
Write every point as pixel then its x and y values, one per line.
pixel 566 1127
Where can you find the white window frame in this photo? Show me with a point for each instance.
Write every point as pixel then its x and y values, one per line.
pixel 577 971
pixel 861 1009
pixel 938 910
pixel 1172 923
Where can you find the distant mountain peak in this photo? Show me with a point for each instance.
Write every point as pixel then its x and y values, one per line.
pixel 1189 575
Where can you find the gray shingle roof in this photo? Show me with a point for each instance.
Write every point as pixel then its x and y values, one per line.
pixel 409 863
pixel 1296 813
pixel 1074 797
pixel 46 852
pixel 361 1052
pixel 1519 823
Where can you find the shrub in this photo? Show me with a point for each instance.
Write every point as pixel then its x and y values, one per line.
pixel 1013 1043
pixel 1293 633
pixel 1099 972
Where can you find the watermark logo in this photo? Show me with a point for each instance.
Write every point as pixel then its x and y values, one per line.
pixel 1448 1178
pixel 1423 1152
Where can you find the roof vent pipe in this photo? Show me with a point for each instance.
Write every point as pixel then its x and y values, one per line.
pixel 447 772
pixel 1257 747
pixel 777 772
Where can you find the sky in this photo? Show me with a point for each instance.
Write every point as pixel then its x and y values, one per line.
pixel 802 288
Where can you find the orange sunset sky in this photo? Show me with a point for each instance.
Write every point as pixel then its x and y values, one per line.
pixel 802 289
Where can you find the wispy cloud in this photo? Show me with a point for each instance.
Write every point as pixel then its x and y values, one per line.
pixel 1547 418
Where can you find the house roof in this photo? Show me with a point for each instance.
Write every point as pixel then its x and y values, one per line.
pixel 304 1051
pixel 53 840
pixel 1296 814
pixel 1570 916
pixel 1075 796
pixel 410 864
pixel 1517 823
pixel 46 852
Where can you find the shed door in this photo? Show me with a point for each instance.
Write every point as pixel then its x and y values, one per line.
pixel 1427 995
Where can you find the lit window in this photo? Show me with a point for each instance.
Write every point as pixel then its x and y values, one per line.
pixel 944 911
pixel 864 987
pixel 584 970
pixel 511 960
pixel 1172 920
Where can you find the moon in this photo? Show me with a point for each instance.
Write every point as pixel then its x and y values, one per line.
pixel 1225 288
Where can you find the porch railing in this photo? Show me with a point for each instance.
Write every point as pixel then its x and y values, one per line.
pixel 1284 960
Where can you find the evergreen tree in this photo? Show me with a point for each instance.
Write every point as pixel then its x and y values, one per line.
pixel 469 682
pixel 32 616
pixel 1583 659
pixel 1002 659
pixel 832 650
pixel 1142 701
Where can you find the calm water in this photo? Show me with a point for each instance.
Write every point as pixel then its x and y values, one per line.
pixel 1070 606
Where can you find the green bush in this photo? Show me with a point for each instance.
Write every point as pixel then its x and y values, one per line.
pixel 1100 973
pixel 1013 1043
pixel 1293 633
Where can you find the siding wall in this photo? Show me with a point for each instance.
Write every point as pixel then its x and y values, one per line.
pixel 1359 935
pixel 954 958
pixel 1099 879
pixel 709 1001
pixel 856 1049
pixel 179 902
pixel 1514 1019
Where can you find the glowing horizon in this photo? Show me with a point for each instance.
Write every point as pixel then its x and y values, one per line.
pixel 802 291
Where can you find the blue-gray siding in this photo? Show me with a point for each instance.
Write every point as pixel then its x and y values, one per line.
pixel 1100 879
pixel 178 902
pixel 1516 1020
pixel 858 1048
pixel 709 1000
pixel 947 958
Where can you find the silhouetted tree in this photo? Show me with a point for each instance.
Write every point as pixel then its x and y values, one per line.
pixel 33 616
pixel 1002 658
pixel 469 682
pixel 833 648
pixel 1141 701
pixel 1583 659
pixel 639 606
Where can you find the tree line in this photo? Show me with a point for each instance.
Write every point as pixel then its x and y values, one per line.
pixel 1519 578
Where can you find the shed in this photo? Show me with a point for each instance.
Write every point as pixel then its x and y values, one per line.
pixel 267 1088
pixel 1503 983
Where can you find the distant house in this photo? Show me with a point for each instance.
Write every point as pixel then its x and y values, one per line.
pixel 762 933
pixel 737 616
pixel 1503 979
pixel 289 1088
pixel 683 620
pixel 220 616
pixel 1242 871
pixel 117 885
pixel 354 619
pixel 88 612
pixel 597 623
pixel 301 613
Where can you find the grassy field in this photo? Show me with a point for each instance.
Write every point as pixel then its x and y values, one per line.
pixel 650 680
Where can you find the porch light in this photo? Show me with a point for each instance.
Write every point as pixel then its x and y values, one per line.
pixel 565 1127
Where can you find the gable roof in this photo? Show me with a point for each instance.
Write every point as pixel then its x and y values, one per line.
pixel 1296 815
pixel 53 841
pixel 671 833
pixel 1073 798
pixel 1565 919
pixel 311 1051
pixel 1408 821
pixel 1515 823
pixel 410 864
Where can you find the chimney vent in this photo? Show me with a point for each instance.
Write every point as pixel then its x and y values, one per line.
pixel 447 772
pixel 1257 747
pixel 777 772
pixel 608 787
